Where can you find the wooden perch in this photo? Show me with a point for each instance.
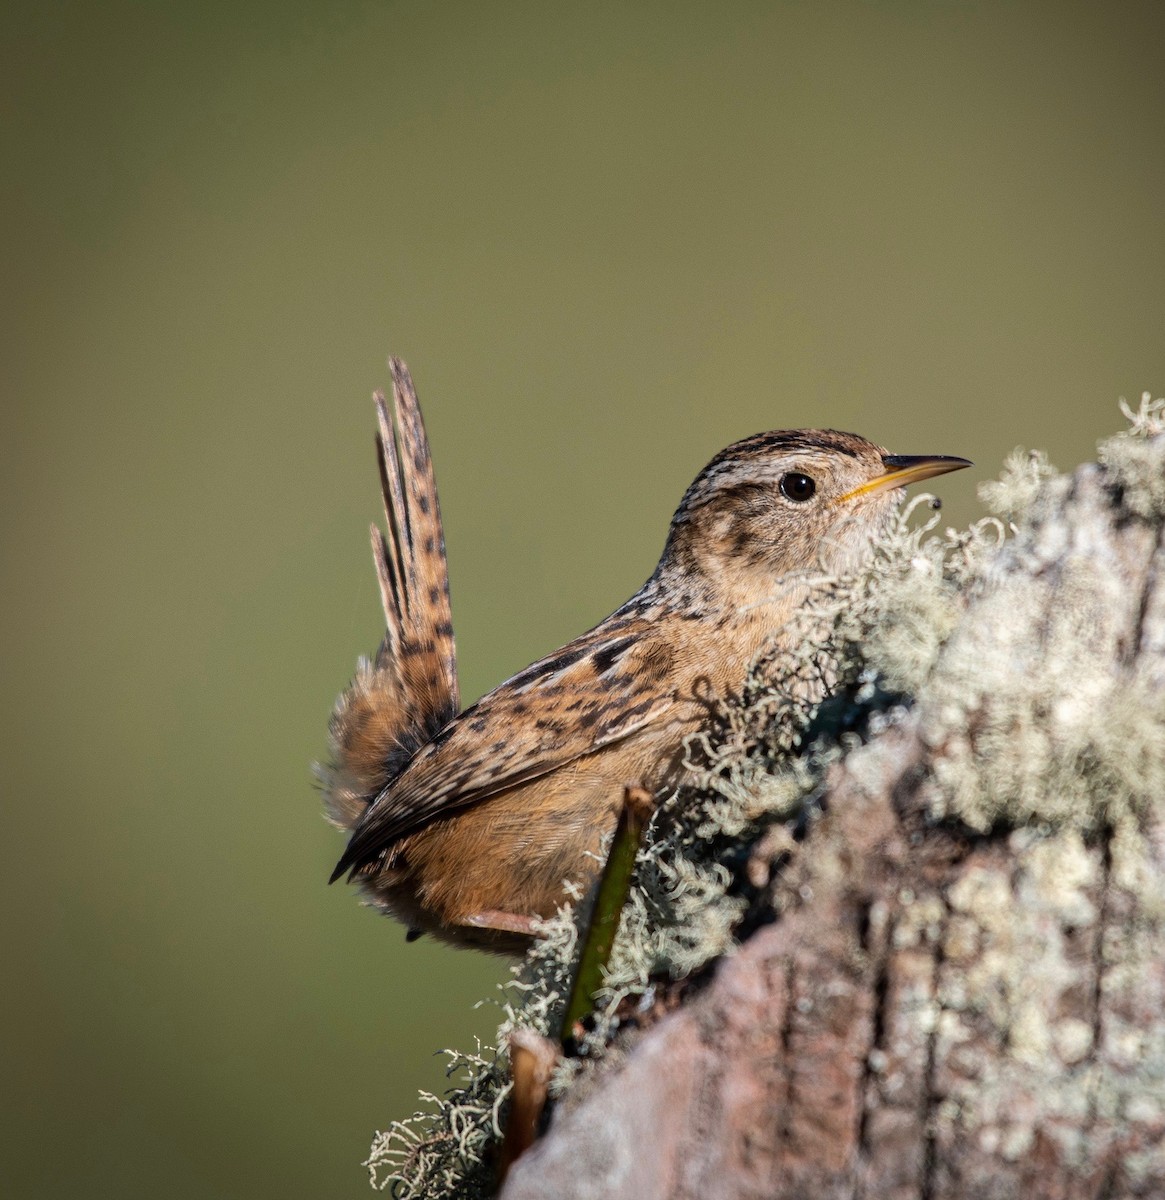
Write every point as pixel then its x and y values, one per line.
pixel 961 992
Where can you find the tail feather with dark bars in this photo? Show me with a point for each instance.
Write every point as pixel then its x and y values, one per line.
pixel 398 702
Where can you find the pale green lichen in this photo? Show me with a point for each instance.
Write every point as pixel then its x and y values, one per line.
pixel 1025 1051
pixel 1035 757
pixel 1134 461
pixel 1036 717
pixel 1024 473
pixel 441 1152
pixel 1044 719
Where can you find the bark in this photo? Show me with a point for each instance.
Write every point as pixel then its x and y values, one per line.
pixel 951 1000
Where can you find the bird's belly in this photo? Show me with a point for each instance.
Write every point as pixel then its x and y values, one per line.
pixel 515 852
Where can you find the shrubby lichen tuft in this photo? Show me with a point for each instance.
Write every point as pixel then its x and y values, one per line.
pixel 1135 460
pixel 1024 473
pixel 441 1152
pixel 892 638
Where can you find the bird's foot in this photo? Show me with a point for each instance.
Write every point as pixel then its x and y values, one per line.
pixel 504 922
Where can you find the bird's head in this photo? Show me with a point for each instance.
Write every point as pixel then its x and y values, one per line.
pixel 809 501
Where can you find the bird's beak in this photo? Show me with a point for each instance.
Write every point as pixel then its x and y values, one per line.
pixel 902 469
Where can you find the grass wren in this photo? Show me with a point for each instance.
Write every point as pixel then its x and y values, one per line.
pixel 467 825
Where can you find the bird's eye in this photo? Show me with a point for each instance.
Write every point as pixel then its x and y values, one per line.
pixel 797 487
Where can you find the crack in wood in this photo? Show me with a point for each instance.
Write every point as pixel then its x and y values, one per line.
pixel 1136 642
pixel 869 1076
pixel 1098 985
pixel 926 1190
pixel 784 1127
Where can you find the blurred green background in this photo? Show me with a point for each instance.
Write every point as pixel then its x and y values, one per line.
pixel 608 239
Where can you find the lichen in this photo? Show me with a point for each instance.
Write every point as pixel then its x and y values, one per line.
pixel 441 1151
pixel 1024 473
pixel 1025 1052
pixel 1134 459
pixel 1041 737
pixel 1043 719
pixel 1036 717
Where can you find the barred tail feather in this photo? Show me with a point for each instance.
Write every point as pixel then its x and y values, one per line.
pixel 397 703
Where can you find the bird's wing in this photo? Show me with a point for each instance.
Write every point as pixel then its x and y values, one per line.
pixel 599 689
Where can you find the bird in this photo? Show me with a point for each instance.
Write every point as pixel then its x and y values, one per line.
pixel 469 825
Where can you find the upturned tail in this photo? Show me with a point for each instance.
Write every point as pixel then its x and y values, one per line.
pixel 398 702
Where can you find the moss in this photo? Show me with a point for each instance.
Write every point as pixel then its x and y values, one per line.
pixel 1021 748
